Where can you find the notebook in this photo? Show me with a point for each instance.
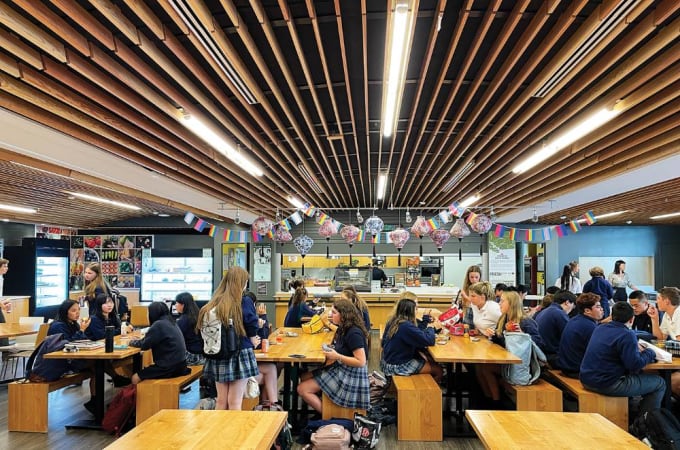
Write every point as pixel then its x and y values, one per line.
pixel 87 345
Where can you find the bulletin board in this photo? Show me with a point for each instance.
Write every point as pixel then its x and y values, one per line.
pixel 234 255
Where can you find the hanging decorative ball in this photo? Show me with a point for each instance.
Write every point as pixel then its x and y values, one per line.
pixel 460 229
pixel 440 238
pixel 282 235
pixel 262 226
pixel 481 224
pixel 349 233
pixel 328 229
pixel 400 237
pixel 374 225
pixel 420 227
pixel 303 244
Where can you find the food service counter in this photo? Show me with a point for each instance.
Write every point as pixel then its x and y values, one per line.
pixel 379 304
pixel 19 307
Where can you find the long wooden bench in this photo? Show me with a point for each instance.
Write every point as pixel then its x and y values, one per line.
pixel 28 402
pixel 154 395
pixel 419 408
pixel 540 396
pixel 331 410
pixel 615 409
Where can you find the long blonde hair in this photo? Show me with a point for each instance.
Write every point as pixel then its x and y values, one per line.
pixel 226 300
pixel 351 294
pixel 97 282
pixel 515 312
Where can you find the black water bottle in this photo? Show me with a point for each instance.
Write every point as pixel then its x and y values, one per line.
pixel 110 331
pixel 232 344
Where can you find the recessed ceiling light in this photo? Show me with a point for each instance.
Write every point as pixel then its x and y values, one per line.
pixel 563 217
pixel 665 216
pixel 105 200
pixel 629 222
pixel 5 220
pixel 163 215
pixel 18 209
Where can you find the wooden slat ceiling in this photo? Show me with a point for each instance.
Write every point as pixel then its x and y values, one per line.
pixel 113 73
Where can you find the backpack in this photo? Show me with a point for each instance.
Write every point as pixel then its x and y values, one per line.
pixel 121 410
pixel 206 386
pixel 313 425
pixel 331 437
pixel 219 341
pixel 659 427
pixel 39 369
pixel 532 356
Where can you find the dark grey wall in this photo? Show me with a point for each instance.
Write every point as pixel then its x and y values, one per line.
pixel 13 233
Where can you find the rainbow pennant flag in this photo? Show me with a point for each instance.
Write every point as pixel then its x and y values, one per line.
pixel 433 223
pixel 226 236
pixel 360 236
pixel 590 218
pixel 322 218
pixel 213 228
pixel 512 233
pixel 471 218
pixel 498 232
pixel 546 234
pixel 200 225
pixel 529 235
pixel 575 226
pixel 285 223
pixel 270 234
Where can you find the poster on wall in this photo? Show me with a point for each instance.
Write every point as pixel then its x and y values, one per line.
pixel 502 261
pixel 262 263
pixel 234 255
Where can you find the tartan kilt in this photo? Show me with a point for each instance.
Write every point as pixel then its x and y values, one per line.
pixel 241 365
pixel 346 386
pixel 410 367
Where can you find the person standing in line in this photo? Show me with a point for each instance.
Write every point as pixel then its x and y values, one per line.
pixel 229 304
pixel 379 274
pixel 599 286
pixel 569 280
pixel 94 285
pixel 472 275
pixel 619 280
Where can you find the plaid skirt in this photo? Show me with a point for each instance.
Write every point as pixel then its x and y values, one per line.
pixel 346 386
pixel 239 366
pixel 410 367
pixel 195 359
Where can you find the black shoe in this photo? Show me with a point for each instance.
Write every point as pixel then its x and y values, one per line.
pixel 90 406
pixel 121 381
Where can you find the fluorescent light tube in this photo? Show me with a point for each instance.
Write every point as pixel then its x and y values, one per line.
pixel 400 36
pixel 208 135
pixel 572 135
pixel 471 200
pixel 309 178
pixel 105 200
pixel 457 177
pixel 295 202
pixel 604 216
pixel 18 209
pixel 665 216
pixel 382 186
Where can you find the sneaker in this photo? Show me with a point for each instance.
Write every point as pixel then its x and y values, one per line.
pixel 121 381
pixel 90 406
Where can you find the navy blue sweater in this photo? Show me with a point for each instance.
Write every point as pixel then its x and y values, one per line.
pixel 404 345
pixel 166 343
pixel 97 328
pixel 601 287
pixel 575 338
pixel 295 314
pixel 551 323
pixel 611 354
pixel 192 338
pixel 70 332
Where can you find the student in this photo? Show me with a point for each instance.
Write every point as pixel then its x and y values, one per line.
pixel 292 287
pixel 498 290
pixel 268 376
pixel 344 378
pixel 68 322
pixel 598 285
pixel 298 309
pixel 94 285
pixel 472 275
pixel 551 323
pixel 350 293
pixel 4 267
pixel 166 342
pixel 619 280
pixel 668 302
pixel 569 280
pixel 613 360
pixel 232 373
pixel 513 319
pixel 188 317
pixel 577 332
pixel 485 311
pixel 403 343
pixel 642 322
pixel 103 314
pixel 545 302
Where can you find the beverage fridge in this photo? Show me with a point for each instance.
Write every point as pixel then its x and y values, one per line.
pixel 38 268
pixel 166 273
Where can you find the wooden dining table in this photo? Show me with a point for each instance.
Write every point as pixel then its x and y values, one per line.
pixel 8 330
pixel 179 429
pixel 99 356
pixel 549 430
pixel 296 349
pixel 666 369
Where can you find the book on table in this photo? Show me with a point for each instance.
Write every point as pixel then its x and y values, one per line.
pixel 87 344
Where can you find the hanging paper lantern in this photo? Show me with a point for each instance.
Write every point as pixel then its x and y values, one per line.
pixel 262 226
pixel 481 224
pixel 350 233
pixel 399 238
pixel 420 228
pixel 281 235
pixel 374 225
pixel 460 230
pixel 303 244
pixel 440 238
pixel 328 229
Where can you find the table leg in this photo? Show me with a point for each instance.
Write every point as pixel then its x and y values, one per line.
pixel 286 386
pixel 99 405
pixel 294 411
pixel 667 402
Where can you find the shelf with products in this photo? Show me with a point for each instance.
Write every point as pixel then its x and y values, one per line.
pixel 163 277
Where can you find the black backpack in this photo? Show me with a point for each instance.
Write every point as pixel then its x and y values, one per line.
pixel 39 369
pixel 660 427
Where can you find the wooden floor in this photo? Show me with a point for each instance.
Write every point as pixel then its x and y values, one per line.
pixel 66 405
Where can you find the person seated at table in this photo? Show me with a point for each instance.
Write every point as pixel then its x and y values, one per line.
pixel 614 359
pixel 668 303
pixel 103 314
pixel 513 319
pixel 188 316
pixel 600 286
pixel 268 376
pixel 642 322
pixel 68 322
pixel 292 287
pixel 498 290
pixel 485 311
pixel 298 309
pixel 351 294
pixel 344 377
pixel 551 323
pixel 166 343
pixel 404 343
pixel 577 332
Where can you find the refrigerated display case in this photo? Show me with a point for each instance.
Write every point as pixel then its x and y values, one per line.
pixel 359 278
pixel 39 268
pixel 168 272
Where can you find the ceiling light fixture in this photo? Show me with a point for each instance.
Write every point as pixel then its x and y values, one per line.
pixel 382 186
pixel 407 218
pixel 399 39
pixel 573 134
pixel 19 209
pixel 237 217
pixel 309 178
pixel 203 131
pixel 163 215
pixel 105 200
pixel 457 177
pixel 471 200
pixel 360 219
pixel 205 38
pixel 534 216
pixel 588 44
pixel 604 216
pixel 665 216
pixel 295 202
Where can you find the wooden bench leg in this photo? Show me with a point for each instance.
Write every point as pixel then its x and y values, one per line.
pixel 419 408
pixel 614 409
pixel 151 398
pixel 27 410
pixel 330 410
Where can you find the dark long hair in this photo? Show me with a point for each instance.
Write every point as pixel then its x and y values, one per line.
pixel 300 296
pixel 62 314
pixel 190 310
pixel 350 316
pixel 617 266
pixel 565 280
pixel 404 312
pixel 158 311
pixel 96 306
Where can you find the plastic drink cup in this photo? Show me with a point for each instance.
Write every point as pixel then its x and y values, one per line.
pixel 265 345
pixel 8 306
pixel 279 338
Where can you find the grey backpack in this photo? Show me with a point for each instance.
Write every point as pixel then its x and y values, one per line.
pixel 529 370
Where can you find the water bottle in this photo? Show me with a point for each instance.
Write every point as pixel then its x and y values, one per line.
pixel 110 331
pixel 231 337
pixel 123 328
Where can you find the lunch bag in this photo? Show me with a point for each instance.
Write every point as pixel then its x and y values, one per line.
pixel 315 325
pixel 659 427
pixel 331 437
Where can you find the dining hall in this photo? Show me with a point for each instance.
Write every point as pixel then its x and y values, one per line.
pixel 446 223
